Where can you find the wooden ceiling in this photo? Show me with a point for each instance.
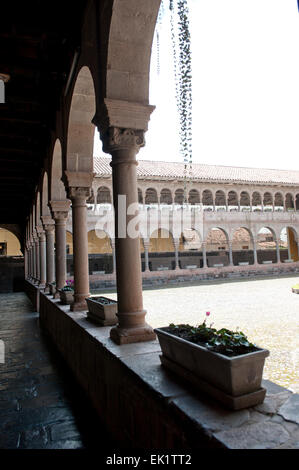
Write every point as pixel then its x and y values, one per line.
pixel 38 40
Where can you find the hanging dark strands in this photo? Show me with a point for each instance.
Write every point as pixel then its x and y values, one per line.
pixel 183 83
pixel 158 26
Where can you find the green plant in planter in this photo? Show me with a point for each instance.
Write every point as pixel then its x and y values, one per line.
pixel 69 286
pixel 223 341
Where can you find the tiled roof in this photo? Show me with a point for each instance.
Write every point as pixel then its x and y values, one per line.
pixel 203 172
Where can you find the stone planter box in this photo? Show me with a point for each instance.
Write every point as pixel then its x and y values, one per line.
pixel 244 263
pixel 52 289
pixel 191 266
pixel 102 310
pixel 218 265
pixel 162 268
pixel 267 262
pixel 66 296
pixel 288 261
pixel 234 381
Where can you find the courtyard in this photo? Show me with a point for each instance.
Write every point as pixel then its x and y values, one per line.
pixel 265 309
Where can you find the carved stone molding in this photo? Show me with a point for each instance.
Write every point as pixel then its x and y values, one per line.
pixel 60 209
pixel 79 193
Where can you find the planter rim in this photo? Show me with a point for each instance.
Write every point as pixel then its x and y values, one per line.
pixel 232 359
pixel 92 299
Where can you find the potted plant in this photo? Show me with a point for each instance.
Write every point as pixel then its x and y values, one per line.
pixel 102 310
pixel 221 363
pixel 67 293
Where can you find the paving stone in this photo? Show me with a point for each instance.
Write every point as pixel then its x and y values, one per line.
pixel 272 403
pixel 290 409
pixel 254 436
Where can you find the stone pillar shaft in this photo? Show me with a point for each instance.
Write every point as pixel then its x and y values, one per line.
pixel 146 257
pixel 49 227
pixel 78 197
pixel 204 255
pixel 42 255
pixel 230 248
pixel 255 261
pixel 176 253
pixel 123 144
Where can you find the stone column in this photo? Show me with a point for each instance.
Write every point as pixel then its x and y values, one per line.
pixel 230 253
pixel 123 145
pixel 49 227
pixel 31 276
pixel 255 261
pixel 204 254
pixel 79 185
pixel 60 210
pixel 176 243
pixel 113 255
pixel 42 257
pixel 146 259
pixel 36 256
pixel 277 251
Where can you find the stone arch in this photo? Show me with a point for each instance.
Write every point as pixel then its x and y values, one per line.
pixel 103 195
pixel 81 130
pixel 91 200
pixel 57 188
pixel 217 246
pixel 194 197
pixel 45 211
pixel 165 196
pixel 128 53
pixel 190 239
pixel 151 196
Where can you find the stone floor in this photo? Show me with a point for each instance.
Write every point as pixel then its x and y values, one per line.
pixel 264 309
pixel 41 406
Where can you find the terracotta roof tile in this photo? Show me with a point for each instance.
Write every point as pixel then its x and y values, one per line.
pixel 203 172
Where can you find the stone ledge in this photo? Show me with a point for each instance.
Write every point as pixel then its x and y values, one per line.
pixel 145 406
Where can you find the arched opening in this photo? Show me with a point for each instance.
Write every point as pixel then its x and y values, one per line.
pixel 297 202
pixel 268 202
pixel 244 201
pixel 57 188
pixel 289 202
pixel 179 197
pixel 90 200
pixel 151 196
pixel 217 248
pixel 242 247
pixel 161 250
pixel 256 201
pixel 140 196
pixel 220 200
pixel 9 244
pixel 99 252
pixel 232 201
pixel 165 196
pixel 207 200
pixel 189 248
pixel 288 244
pixel 194 197
pixel 278 202
pixel 103 195
pixel 266 246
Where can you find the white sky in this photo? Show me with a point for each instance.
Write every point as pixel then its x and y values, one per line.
pixel 245 61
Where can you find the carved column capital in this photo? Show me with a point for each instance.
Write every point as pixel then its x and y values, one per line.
pixel 116 139
pixel 60 209
pixel 78 193
pixel 48 223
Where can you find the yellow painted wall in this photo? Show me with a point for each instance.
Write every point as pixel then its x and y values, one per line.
pixel 158 245
pixel 98 245
pixel 69 241
pixel 13 244
pixel 293 245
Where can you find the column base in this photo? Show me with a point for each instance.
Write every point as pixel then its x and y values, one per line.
pixel 79 303
pixel 132 335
